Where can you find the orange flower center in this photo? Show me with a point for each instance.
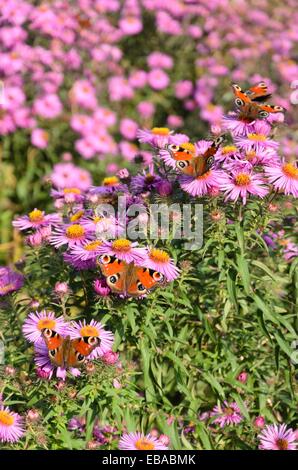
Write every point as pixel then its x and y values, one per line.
pixel 75 231
pixel 89 330
pixel 282 444
pixel 160 131
pixel 188 146
pixel 144 444
pixel 72 190
pixel 242 179
pixel 92 246
pixel 121 245
pixel 159 256
pixel 77 216
pixel 229 411
pixel 290 170
pixel 110 181
pixel 250 155
pixel 256 137
pixel 36 216
pixel 7 288
pixel 46 323
pixel 6 419
pixel 228 149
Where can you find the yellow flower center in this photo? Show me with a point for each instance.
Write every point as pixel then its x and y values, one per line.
pixel 250 155
pixel 242 179
pixel 97 219
pixel 121 245
pixel 144 444
pixel 228 149
pixel 6 419
pixel 77 216
pixel 92 246
pixel 159 256
pixel 160 131
pixel 72 190
pixel 36 215
pixel 110 181
pixel 290 170
pixel 75 231
pixel 7 288
pixel 46 323
pixel 89 330
pixel 188 146
pixel 282 444
pixel 257 137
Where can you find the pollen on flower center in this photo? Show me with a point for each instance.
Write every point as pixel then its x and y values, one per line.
pixel 46 323
pixel 229 411
pixel 121 245
pixel 242 179
pixel 72 190
pixel 188 146
pixel 290 170
pixel 6 419
pixel 97 219
pixel 160 131
pixel 110 181
pixel 257 137
pixel 77 216
pixel 75 231
pixel 36 215
pixel 250 155
pixel 159 255
pixel 92 246
pixel 89 330
pixel 282 444
pixel 144 444
pixel 228 149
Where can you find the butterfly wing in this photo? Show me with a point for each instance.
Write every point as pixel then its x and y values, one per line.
pixel 55 344
pixel 78 350
pixel 141 280
pixel 258 92
pixel 114 270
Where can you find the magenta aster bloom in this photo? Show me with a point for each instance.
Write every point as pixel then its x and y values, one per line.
pixel 69 234
pixel 10 281
pixel 101 288
pixel 36 219
pixel 86 252
pixel 11 425
pixel 284 178
pixel 123 249
pixel 241 183
pixel 79 264
pixel 290 251
pixel 201 185
pixel 36 322
pixel 258 137
pixel 145 182
pixel 68 195
pixel 277 437
pixel 160 261
pixel 227 414
pixel 237 126
pixel 137 441
pixel 94 328
pixel 159 137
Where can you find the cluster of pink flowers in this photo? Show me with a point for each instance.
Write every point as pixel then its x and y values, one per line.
pixel 79 74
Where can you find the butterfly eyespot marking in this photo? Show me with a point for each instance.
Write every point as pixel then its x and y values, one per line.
pixel 239 102
pixel 113 278
pixel 173 147
pixel 182 164
pixel 263 114
pixel 236 87
pixel 140 287
pixel 218 141
pixel 104 259
pixel 92 340
pixel 210 161
pixel 80 357
pixel 52 352
pixel 278 108
pixel 157 276
pixel 49 333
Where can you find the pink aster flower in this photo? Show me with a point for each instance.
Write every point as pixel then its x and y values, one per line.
pixel 69 234
pixel 201 185
pixel 160 261
pixel 88 251
pixel 159 137
pixel 145 182
pixel 11 425
pixel 158 79
pixel 123 249
pixel 10 281
pixel 258 137
pixel 40 138
pixel 36 219
pixel 130 25
pixel 82 329
pixel 227 414
pixel 137 441
pixel 277 437
pixel 101 288
pixel 284 178
pixel 238 127
pixel 36 322
pixel 241 183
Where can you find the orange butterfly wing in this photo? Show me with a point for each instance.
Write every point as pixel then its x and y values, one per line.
pixel 114 271
pixel 142 280
pixel 258 92
pixel 78 349
pixel 55 344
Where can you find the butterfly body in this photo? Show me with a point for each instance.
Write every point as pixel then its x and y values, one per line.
pixel 250 103
pixel 190 164
pixel 128 278
pixel 66 352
